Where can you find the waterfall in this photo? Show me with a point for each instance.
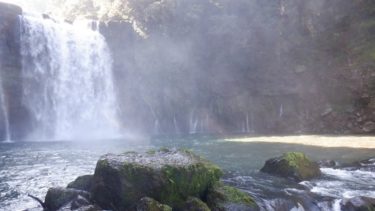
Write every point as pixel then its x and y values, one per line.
pixel 67 80
pixel 247 123
pixel 176 128
pixel 281 110
pixel 4 111
pixel 193 123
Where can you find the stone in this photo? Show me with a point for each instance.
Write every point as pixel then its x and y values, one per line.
pixel 328 163
pixel 294 165
pixel 149 204
pixel 82 183
pixel 358 204
pixel 79 202
pixel 59 197
pixel 195 204
pixel 168 176
pixel 225 198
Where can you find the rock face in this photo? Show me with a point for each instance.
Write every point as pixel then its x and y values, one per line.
pixel 293 165
pixel 170 177
pixel 10 70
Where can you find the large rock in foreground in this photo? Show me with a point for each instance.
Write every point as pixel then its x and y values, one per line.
pixel 293 165
pixel 168 176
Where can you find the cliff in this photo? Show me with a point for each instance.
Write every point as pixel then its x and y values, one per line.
pixel 10 71
pixel 221 67
pixel 283 67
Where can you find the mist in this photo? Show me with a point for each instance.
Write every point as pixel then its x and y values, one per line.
pixel 224 67
pixel 187 105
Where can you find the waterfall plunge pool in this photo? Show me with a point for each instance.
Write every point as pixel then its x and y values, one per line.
pixel 33 167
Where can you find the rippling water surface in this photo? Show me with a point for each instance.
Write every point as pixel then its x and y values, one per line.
pixel 33 167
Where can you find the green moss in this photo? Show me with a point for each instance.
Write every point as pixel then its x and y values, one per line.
pixel 293 165
pixel 368 24
pixel 295 159
pixel 236 196
pixel 164 150
pixel 221 195
pixel 151 152
pixel 172 184
pixel 193 180
pixel 149 204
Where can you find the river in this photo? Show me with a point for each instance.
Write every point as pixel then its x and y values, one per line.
pixel 33 167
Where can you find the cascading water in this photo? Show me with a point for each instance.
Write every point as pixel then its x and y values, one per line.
pixel 67 73
pixel 4 112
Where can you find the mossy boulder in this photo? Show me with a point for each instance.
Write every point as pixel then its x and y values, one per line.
pixel 82 183
pixel 294 165
pixel 225 198
pixel 168 176
pixel 149 204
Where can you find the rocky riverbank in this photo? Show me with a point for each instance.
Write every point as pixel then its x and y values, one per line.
pixel 157 180
pixel 180 180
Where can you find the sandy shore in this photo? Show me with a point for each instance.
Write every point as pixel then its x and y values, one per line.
pixel 321 141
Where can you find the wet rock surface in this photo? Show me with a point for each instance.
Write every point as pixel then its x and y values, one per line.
pixel 149 204
pixel 358 204
pixel 170 177
pixel 82 183
pixel 57 198
pixel 294 165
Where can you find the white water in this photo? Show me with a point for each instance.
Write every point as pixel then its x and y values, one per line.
pixel 68 86
pixel 344 183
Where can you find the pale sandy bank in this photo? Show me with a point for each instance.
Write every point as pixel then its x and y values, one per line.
pixel 321 141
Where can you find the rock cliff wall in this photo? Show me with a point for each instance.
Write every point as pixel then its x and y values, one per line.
pixel 200 67
pixel 10 70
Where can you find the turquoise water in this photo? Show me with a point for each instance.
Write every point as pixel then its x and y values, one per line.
pixel 33 167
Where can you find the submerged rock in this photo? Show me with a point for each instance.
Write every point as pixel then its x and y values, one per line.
pixel 149 204
pixel 328 163
pixel 168 176
pixel 293 165
pixel 225 198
